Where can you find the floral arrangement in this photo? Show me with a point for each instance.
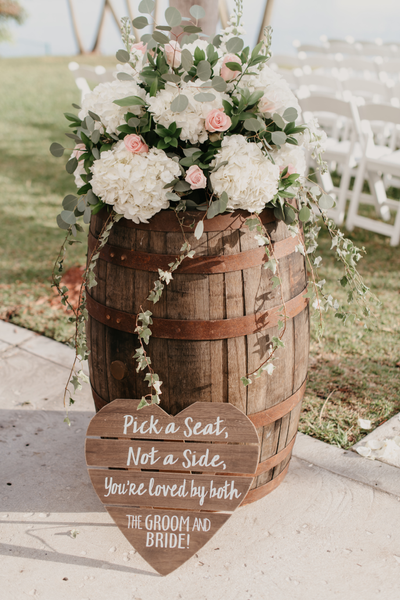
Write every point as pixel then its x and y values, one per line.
pixel 191 124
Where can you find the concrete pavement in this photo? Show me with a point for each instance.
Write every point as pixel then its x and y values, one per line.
pixel 330 531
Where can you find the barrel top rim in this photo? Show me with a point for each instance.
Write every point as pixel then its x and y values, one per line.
pixel 166 220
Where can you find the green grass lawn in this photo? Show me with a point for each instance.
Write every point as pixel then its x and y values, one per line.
pixel 353 370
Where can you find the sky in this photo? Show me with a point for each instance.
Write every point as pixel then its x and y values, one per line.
pixel 48 29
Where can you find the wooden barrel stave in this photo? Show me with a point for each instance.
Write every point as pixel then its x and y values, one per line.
pixel 207 370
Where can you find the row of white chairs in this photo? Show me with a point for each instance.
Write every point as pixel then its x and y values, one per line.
pixel 339 66
pixel 351 46
pixel 359 151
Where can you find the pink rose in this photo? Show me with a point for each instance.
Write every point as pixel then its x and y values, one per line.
pixel 135 144
pixel 173 54
pixel 226 73
pixel 79 150
pixel 267 106
pixel 196 177
pixel 217 120
pixel 290 170
pixel 140 46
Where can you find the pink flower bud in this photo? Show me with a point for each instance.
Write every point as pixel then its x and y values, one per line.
pixel 196 178
pixel 226 73
pixel 79 150
pixel 217 120
pixel 135 144
pixel 290 170
pixel 173 54
pixel 140 46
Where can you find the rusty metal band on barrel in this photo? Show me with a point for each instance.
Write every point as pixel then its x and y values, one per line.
pixel 182 329
pixel 143 261
pixel 263 490
pixel 259 419
pixel 167 221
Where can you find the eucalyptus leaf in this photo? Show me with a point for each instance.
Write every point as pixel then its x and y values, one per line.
pixel 163 27
pixel 179 103
pixel 234 66
pixel 190 151
pixel 123 56
pixel 70 202
pixel 56 149
pixel 71 165
pixel 160 38
pixel 290 114
pixel 217 41
pixel 304 214
pixel 140 22
pixel 192 29
pixel 326 202
pixel 95 137
pixel 234 45
pixel 173 16
pixel 218 84
pixel 187 60
pixel 94 116
pixel 172 77
pixel 87 214
pixel 214 209
pixel 204 97
pixel 133 122
pixel 91 198
pixel 198 232
pixel 182 186
pixel 61 223
pixel 89 122
pixel 277 137
pixel 130 101
pixel 172 196
pixel 68 217
pixel 197 11
pixel 277 119
pixel 204 70
pixel 74 137
pixel 290 215
pixel 147 6
pixel 252 124
pixel 124 76
pixel 96 153
pixel 76 106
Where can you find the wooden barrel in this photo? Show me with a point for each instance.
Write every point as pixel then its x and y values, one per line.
pixel 213 324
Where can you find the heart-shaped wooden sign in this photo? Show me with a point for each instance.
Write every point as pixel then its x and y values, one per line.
pixel 168 482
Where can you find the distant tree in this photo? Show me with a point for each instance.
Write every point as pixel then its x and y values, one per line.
pixel 9 9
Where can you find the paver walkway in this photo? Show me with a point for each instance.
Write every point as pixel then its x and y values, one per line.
pixel 330 531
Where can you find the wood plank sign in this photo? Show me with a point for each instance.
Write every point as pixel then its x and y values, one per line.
pixel 168 482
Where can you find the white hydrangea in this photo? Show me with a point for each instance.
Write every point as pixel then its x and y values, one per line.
pixel 291 156
pixel 192 119
pixel 250 179
pixel 134 183
pixel 276 89
pixel 199 43
pixel 101 102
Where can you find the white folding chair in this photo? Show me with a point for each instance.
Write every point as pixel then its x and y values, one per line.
pixel 321 63
pixel 358 66
pixel 284 61
pixel 366 90
pixel 319 85
pixel 84 74
pixel 310 47
pixel 344 152
pixel 377 161
pixel 376 48
pixel 390 70
pixel 345 46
